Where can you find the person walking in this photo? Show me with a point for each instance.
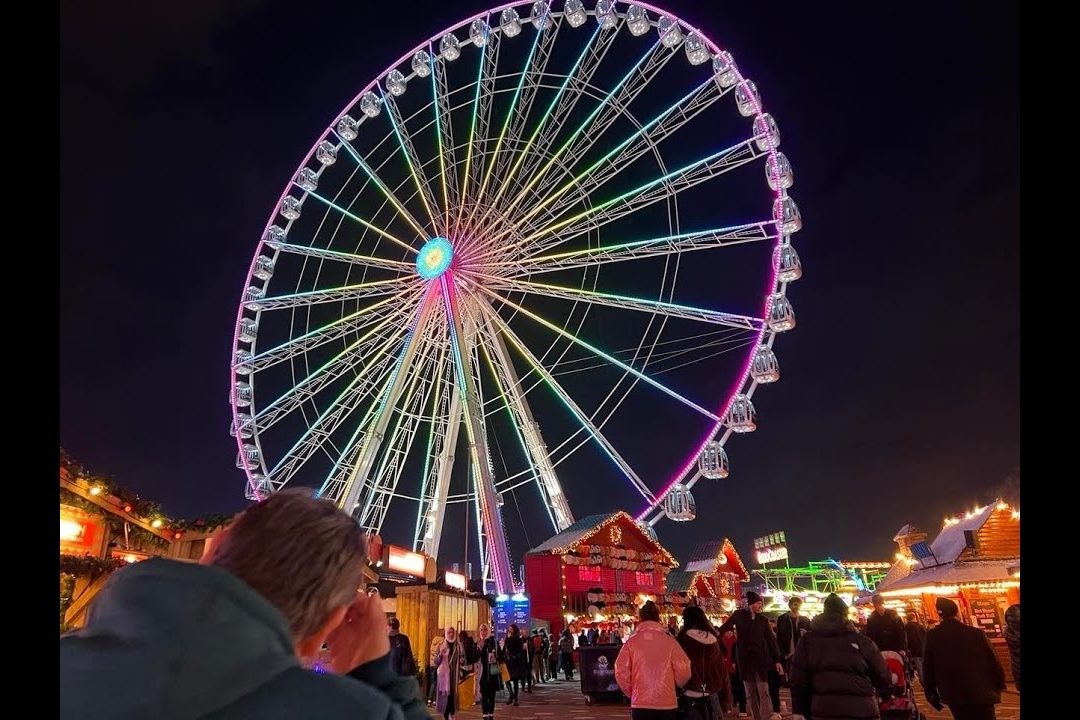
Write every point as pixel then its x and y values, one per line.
pixel 758 653
pixel 789 628
pixel 836 671
pixel 448 663
pixel 705 694
pixel 650 666
pixel 229 637
pixel 553 657
pixel 916 642
pixel 489 677
pixel 538 657
pixel 401 655
pixel 432 679
pixel 517 661
pixel 960 667
pixel 1012 639
pixel 886 628
pixel 566 653
pixel 672 626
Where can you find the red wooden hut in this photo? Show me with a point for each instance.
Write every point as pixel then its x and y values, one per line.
pixel 713 575
pixel 608 557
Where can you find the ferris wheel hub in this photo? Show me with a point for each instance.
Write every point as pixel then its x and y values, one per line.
pixel 434 258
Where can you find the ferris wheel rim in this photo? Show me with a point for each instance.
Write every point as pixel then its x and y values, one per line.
pixel 764 335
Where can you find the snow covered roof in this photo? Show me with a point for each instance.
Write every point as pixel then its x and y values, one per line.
pixel 713 555
pixel 954 574
pixel 950 542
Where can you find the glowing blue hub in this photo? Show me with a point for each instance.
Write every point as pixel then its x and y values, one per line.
pixel 434 258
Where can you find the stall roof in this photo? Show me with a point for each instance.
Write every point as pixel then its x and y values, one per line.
pixel 588 526
pixel 679 581
pixel 950 542
pixel 705 557
pixel 955 574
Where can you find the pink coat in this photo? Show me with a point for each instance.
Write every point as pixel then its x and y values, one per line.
pixel 650 666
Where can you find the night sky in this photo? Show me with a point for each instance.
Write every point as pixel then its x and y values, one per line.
pixel 899 400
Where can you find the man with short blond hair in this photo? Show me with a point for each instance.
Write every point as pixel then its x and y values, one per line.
pixel 225 638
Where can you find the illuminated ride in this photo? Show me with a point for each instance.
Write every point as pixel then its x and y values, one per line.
pixel 535 227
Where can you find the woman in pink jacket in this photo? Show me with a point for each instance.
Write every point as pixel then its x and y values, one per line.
pixel 650 666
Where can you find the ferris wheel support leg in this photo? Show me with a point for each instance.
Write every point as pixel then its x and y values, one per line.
pixel 530 429
pixel 437 508
pixel 358 479
pixel 498 551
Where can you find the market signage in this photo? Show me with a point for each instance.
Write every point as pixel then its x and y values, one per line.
pixel 771 548
pixel 404 561
pixel 78 532
pixel 512 609
pixel 455 580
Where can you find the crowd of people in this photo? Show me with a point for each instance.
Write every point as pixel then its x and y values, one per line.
pixel 274 623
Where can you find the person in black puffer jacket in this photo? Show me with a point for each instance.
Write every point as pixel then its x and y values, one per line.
pixel 836 671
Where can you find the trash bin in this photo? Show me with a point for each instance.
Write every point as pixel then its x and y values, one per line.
pixel 597 672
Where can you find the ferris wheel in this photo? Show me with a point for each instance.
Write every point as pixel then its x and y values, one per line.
pixel 548 232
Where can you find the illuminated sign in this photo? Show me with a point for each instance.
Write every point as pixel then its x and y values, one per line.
pixel 455 580
pixel 71 531
pixel 771 548
pixel 403 561
pixel 771 555
pixel 514 609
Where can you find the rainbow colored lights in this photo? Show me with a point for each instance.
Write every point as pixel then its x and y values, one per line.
pixel 434 258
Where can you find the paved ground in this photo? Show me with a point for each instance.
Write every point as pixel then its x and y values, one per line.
pixel 563 700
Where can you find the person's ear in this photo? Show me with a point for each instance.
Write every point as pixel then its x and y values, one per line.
pixel 310 646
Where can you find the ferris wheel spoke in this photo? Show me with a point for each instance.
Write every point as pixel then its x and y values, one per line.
pixel 444 132
pixel 623 302
pixel 421 233
pixel 527 430
pixel 406 425
pixel 478 448
pixel 438 463
pixel 344 257
pixel 533 78
pixel 601 117
pixel 655 190
pixel 565 398
pixel 638 249
pixel 624 154
pixel 364 223
pixel 578 79
pixel 322 429
pixel 510 113
pixel 412 159
pixel 600 353
pixel 486 73
pixel 376 349
pixel 344 293
pixel 361 471
pixel 346 325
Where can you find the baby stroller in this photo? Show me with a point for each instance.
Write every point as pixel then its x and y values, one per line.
pixel 899 702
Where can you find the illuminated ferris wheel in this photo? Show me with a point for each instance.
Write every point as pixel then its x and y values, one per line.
pixel 535 234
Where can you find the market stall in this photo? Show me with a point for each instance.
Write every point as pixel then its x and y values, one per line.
pixel 974 561
pixel 596 573
pixel 713 579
